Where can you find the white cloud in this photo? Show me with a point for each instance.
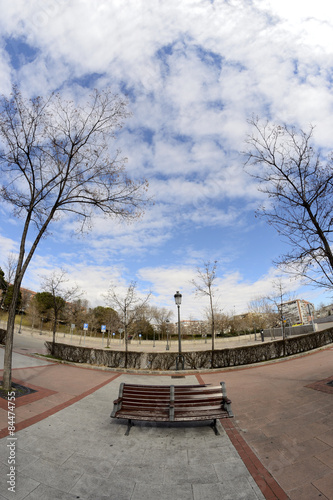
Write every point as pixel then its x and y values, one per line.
pixel 7 246
pixel 194 71
pixel 232 293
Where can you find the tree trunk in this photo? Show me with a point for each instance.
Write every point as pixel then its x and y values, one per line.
pixel 54 334
pixel 213 328
pixel 7 366
pixel 126 345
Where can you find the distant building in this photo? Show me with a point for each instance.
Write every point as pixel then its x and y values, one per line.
pixel 297 312
pixel 192 327
pixel 325 311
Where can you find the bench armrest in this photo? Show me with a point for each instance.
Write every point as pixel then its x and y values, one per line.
pixel 226 400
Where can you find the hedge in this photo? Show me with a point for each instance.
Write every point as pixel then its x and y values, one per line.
pixel 220 358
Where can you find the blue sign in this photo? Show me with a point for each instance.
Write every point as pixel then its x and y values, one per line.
pixel 85 326
pixel 103 328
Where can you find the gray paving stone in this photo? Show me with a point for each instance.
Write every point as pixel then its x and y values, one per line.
pixel 162 492
pixel 152 474
pixel 3 451
pixel 207 455
pixel 24 458
pixel 197 473
pixel 23 484
pixel 230 469
pixel 93 465
pixel 23 361
pixel 90 487
pixel 165 457
pixel 52 449
pixel 50 474
pixel 228 490
pixel 43 492
pixel 26 439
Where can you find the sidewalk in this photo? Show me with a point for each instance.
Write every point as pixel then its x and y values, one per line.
pixel 279 445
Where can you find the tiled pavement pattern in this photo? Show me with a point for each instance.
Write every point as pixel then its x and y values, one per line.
pixel 286 421
pixel 280 442
pixel 79 452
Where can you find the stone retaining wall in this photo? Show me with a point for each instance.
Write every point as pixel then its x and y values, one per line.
pixel 2 335
pixel 220 358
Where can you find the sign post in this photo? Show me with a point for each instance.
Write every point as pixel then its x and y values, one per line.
pixel 85 329
pixel 72 330
pixel 103 330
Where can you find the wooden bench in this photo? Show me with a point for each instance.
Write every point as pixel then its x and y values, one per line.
pixel 171 403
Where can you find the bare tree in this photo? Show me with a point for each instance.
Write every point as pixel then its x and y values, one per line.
pixel 279 298
pixel 55 160
pixel 160 316
pixel 7 277
pixel 298 182
pixel 78 311
pixel 204 286
pixel 61 295
pixel 263 315
pixel 222 321
pixel 10 267
pixel 128 305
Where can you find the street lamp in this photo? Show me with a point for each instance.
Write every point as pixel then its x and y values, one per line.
pixel 167 329
pixel 180 357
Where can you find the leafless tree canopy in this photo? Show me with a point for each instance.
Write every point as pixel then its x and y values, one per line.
pixel 128 305
pixel 204 286
pixel 298 183
pixel 55 159
pixel 55 284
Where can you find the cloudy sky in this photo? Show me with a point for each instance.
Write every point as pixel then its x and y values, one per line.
pixel 194 72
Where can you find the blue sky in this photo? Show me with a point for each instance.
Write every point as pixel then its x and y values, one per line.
pixel 194 72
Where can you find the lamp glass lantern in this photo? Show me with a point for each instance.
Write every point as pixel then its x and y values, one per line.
pixel 178 298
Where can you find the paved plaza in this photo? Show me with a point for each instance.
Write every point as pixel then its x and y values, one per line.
pixel 278 446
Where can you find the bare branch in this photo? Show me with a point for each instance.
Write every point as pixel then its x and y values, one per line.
pixel 298 184
pixel 204 285
pixel 128 305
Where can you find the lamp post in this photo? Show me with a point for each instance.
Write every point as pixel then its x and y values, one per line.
pixel 167 329
pixel 22 311
pixel 180 357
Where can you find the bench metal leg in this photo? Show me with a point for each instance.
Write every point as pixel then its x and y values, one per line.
pixel 129 425
pixel 180 359
pixel 213 426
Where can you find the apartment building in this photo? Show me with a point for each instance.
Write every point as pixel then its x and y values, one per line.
pixel 297 312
